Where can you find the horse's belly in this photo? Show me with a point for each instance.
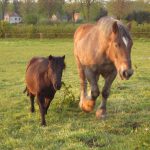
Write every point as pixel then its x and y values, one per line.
pixel 107 70
pixel 104 70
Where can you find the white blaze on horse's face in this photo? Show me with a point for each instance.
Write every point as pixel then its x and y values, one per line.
pixel 125 40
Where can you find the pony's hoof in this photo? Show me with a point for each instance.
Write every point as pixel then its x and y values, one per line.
pixel 87 105
pixel 32 110
pixel 101 114
pixel 43 124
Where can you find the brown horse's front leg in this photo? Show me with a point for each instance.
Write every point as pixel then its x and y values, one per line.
pixel 101 111
pixel 85 103
pixel 88 102
pixel 93 78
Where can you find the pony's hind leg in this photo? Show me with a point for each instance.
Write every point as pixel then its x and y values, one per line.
pixel 32 102
pixel 101 111
pixel 41 102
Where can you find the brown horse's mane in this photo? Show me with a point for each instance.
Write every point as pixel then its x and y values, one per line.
pixel 105 26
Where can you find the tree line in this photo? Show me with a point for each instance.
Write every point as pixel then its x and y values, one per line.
pixel 40 11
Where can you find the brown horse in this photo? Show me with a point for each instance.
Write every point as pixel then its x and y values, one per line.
pixel 102 49
pixel 43 79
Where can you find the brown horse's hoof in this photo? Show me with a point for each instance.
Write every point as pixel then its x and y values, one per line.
pixel 101 113
pixel 87 105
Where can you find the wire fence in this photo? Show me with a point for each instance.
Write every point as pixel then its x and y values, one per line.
pixel 38 35
pixel 61 35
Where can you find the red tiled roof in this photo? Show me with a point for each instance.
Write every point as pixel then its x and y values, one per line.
pixel 12 14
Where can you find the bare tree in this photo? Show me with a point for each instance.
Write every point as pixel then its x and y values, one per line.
pixel 3 5
pixel 49 6
pixel 118 8
pixel 16 6
pixel 86 5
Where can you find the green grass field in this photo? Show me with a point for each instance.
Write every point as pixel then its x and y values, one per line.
pixel 127 126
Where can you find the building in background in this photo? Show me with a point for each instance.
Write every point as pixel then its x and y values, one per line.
pixel 77 17
pixel 12 18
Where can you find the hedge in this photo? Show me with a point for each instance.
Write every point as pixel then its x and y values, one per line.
pixel 55 30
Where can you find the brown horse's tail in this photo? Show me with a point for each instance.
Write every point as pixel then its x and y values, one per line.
pixel 26 91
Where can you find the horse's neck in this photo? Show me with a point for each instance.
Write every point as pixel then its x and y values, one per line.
pixel 47 79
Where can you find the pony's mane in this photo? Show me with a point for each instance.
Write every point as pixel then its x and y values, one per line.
pixel 105 26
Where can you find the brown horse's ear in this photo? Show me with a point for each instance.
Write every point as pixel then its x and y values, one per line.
pixel 115 27
pixel 63 57
pixel 50 57
pixel 129 25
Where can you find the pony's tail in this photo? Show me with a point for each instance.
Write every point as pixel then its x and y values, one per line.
pixel 26 91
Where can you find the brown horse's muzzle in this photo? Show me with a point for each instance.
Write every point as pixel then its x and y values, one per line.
pixel 126 74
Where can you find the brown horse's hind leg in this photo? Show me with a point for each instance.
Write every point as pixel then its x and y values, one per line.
pixel 101 111
pixel 85 104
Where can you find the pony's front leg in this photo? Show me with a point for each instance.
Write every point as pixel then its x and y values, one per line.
pixel 101 111
pixel 47 104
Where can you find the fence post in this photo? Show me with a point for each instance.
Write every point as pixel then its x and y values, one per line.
pixel 41 35
pixel 6 35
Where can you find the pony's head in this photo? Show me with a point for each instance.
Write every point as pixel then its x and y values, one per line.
pixel 55 70
pixel 119 51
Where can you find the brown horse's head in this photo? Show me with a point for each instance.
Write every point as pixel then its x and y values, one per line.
pixel 55 70
pixel 120 49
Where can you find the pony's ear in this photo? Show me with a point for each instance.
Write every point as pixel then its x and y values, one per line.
pixel 63 57
pixel 115 27
pixel 50 57
pixel 129 25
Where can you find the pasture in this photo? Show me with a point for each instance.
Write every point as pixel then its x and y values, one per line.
pixel 127 126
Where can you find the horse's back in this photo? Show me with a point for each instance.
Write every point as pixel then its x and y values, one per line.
pixel 36 68
pixel 37 64
pixel 85 43
pixel 82 31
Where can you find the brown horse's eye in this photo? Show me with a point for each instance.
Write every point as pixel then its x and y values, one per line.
pixel 116 45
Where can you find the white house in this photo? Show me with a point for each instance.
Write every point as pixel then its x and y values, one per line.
pixel 12 18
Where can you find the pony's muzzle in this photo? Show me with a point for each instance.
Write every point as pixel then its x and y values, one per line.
pixel 57 86
pixel 127 73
